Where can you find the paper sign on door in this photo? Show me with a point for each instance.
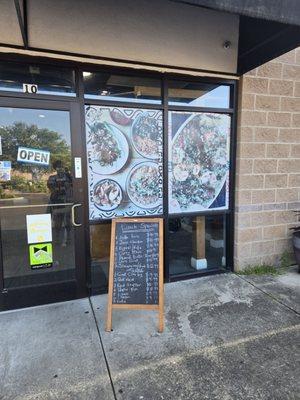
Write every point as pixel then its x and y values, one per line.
pixel 5 171
pixel 39 228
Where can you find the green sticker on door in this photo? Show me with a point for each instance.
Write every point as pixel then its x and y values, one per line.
pixel 40 255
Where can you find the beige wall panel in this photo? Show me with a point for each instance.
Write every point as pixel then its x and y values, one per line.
pixel 155 31
pixel 9 27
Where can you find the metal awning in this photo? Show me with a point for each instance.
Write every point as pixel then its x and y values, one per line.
pixel 268 28
pixel 285 11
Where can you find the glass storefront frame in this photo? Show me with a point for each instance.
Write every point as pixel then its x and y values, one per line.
pixel 165 107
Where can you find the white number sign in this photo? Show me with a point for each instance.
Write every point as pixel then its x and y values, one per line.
pixel 28 88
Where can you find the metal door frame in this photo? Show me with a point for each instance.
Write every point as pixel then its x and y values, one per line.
pixel 78 289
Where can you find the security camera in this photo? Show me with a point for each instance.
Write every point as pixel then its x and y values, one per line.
pixel 227 44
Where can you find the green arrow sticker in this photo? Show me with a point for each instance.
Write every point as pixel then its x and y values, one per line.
pixel 40 255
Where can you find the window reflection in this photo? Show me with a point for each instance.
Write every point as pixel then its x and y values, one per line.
pixel 122 88
pixel 61 191
pixel 198 94
pixel 100 251
pixel 39 132
pixel 50 80
pixel 35 180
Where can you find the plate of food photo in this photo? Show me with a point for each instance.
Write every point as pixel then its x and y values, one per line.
pixel 110 148
pixel 107 195
pixel 199 161
pixel 143 187
pixel 146 135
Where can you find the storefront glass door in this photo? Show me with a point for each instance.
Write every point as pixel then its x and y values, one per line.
pixel 39 207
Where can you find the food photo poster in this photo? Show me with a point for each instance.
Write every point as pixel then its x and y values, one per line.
pixel 198 161
pixel 125 169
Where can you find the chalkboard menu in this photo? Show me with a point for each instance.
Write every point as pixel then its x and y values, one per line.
pixel 136 265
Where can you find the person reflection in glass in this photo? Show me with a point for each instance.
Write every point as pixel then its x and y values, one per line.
pixel 61 191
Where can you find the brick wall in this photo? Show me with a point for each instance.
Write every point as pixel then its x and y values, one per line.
pixel 268 161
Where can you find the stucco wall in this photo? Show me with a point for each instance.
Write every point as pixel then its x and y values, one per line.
pixel 268 161
pixel 159 32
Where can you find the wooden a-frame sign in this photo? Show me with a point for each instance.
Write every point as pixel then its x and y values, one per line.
pixel 148 234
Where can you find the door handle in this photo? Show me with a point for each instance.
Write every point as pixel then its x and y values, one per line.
pixel 73 214
pixel 36 205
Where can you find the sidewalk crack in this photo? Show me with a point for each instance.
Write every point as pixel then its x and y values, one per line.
pixel 103 351
pixel 269 295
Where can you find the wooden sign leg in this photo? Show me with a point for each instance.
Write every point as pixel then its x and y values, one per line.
pixel 160 320
pixel 109 318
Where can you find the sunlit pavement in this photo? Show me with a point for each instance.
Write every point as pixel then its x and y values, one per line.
pixel 226 337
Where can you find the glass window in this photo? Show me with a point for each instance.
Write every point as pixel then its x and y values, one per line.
pixel 36 196
pixel 124 152
pixel 198 94
pixel 198 161
pixel 100 252
pixel 50 80
pixel 196 244
pixel 121 88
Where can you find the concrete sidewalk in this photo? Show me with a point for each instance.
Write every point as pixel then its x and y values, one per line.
pixel 226 337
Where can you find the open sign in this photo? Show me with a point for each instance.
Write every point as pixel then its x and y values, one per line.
pixel 33 156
